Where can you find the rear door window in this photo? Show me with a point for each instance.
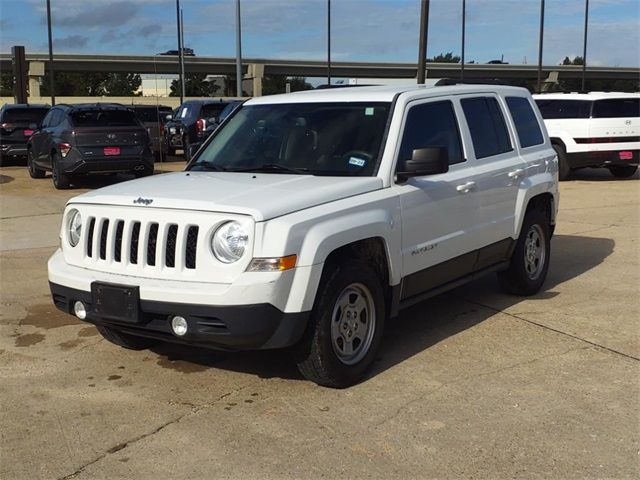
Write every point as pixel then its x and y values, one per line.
pixel 557 109
pixel 104 118
pixel 431 124
pixel 525 120
pixel 617 108
pixel 487 126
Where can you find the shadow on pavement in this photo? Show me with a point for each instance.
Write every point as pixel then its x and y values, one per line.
pixel 419 327
pixel 597 175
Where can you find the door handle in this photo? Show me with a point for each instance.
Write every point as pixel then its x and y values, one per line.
pixel 466 187
pixel 516 173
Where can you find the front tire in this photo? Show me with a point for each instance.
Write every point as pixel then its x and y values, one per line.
pixel 61 181
pixel 530 259
pixel 345 328
pixel 34 171
pixel 623 171
pixel 125 340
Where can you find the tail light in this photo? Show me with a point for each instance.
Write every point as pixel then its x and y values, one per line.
pixel 200 124
pixel 64 149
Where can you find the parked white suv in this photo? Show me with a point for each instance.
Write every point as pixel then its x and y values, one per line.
pixel 594 129
pixel 310 219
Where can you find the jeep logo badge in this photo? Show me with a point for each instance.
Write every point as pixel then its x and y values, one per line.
pixel 143 201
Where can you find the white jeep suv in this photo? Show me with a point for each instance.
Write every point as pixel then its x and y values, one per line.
pixel 309 219
pixel 597 129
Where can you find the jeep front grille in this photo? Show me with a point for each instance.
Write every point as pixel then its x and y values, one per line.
pixel 146 244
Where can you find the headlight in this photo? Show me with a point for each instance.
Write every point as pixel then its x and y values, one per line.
pixel 229 242
pixel 75 227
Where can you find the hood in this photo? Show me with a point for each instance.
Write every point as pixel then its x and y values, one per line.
pixel 261 195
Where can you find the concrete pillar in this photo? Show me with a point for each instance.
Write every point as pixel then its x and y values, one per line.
pixel 36 70
pixel 255 73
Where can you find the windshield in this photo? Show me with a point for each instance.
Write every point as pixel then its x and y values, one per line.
pixel 24 115
pixel 104 118
pixel 315 138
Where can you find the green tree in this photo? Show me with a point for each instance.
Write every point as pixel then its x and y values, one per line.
pixel 273 84
pixel 93 84
pixel 576 61
pixel 6 84
pixel 196 85
pixel 122 84
pixel 448 57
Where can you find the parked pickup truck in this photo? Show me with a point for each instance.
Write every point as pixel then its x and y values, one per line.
pixel 310 219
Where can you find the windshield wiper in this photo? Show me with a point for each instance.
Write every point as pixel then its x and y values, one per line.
pixel 207 167
pixel 272 167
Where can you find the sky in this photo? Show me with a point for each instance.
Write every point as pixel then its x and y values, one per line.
pixel 362 30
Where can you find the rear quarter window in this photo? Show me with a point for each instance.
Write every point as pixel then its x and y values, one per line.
pixel 526 122
pixel 558 109
pixel 617 108
pixel 487 126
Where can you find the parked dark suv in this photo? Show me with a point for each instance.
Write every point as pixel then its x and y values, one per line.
pixel 17 124
pixel 188 125
pixel 89 138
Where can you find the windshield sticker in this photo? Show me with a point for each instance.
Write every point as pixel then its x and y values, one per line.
pixel 357 162
pixel 368 111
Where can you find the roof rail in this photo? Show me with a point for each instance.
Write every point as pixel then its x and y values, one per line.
pixel 480 81
pixel 325 86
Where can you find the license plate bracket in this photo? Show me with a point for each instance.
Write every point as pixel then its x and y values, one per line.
pixel 625 155
pixel 116 302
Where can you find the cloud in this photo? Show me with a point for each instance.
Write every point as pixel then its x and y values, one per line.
pixel 115 13
pixel 72 42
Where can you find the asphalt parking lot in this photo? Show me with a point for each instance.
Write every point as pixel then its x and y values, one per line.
pixel 473 383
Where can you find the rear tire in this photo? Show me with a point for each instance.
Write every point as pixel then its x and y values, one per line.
pixel 623 171
pixel 345 328
pixel 61 181
pixel 34 171
pixel 563 164
pixel 530 259
pixel 125 340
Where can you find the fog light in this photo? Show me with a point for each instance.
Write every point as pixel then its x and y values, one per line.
pixel 179 325
pixel 80 310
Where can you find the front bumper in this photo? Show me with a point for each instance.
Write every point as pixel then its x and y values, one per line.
pixel 238 327
pixel 239 316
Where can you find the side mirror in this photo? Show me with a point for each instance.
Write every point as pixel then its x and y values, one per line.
pixel 33 126
pixel 212 120
pixel 169 117
pixel 426 161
